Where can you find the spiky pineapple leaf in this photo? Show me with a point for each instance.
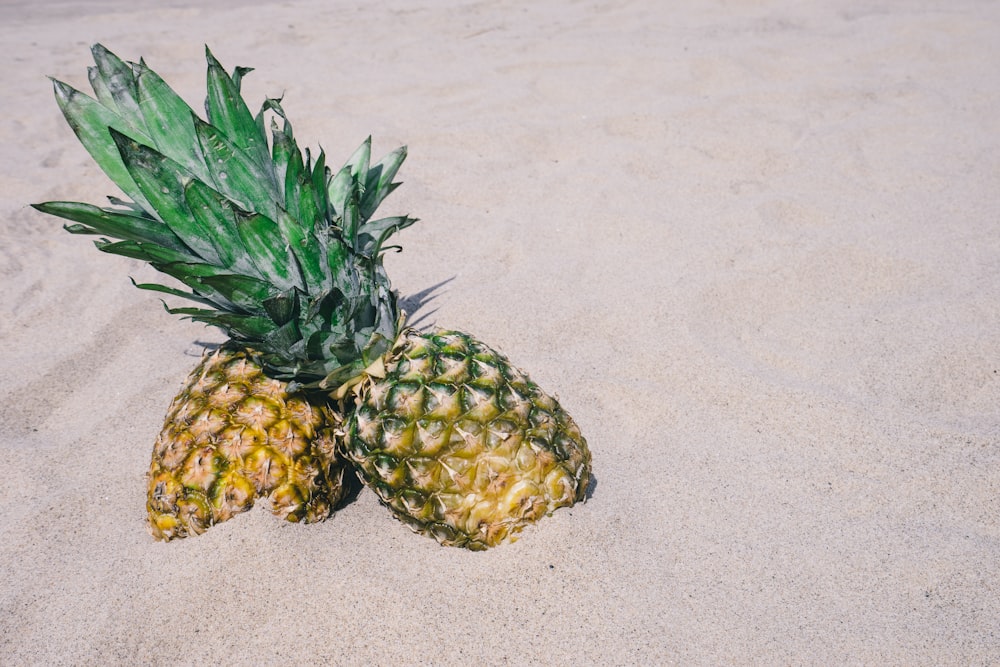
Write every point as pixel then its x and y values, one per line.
pixel 328 343
pixel 284 337
pixel 238 73
pixel 248 293
pixel 100 89
pixel 309 213
pixel 190 273
pixel 90 121
pixel 338 266
pixel 342 187
pixel 268 249
pixel 215 212
pixel 147 252
pixel 321 176
pixel 343 192
pixel 156 287
pixel 282 307
pixel 221 289
pixel 373 234
pixel 168 121
pixel 162 182
pixel 293 169
pixel 350 218
pixel 228 112
pixel 307 202
pixel 378 183
pixel 359 161
pixel 119 80
pixel 324 311
pixel 282 149
pixel 130 205
pixel 234 173
pixel 116 224
pixel 240 327
pixel 307 251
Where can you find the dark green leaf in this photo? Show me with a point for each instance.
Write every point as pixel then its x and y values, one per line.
pixel 90 121
pixel 282 306
pixel 201 278
pixel 267 248
pixel 169 122
pixel 163 182
pixel 284 337
pixel 308 209
pixel 320 181
pixel 154 287
pixel 283 148
pixel 374 233
pixel 240 327
pixel 216 213
pixel 378 184
pixel 248 293
pixel 350 219
pixel 147 252
pixel 119 80
pixel 337 261
pixel 294 170
pixel 229 113
pixel 235 175
pixel 191 273
pixel 115 224
pixel 306 249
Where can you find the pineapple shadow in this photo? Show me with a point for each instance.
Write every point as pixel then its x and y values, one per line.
pixel 352 489
pixel 413 304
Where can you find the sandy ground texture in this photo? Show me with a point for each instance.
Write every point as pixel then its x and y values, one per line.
pixel 753 246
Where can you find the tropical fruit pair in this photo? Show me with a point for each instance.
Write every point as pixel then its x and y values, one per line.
pixel 319 376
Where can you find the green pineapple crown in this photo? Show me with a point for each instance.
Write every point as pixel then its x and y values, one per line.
pixel 279 252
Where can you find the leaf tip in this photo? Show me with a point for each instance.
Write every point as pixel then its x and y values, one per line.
pixel 64 92
pixel 211 59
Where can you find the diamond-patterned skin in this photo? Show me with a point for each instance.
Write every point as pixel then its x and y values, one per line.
pixel 461 445
pixel 233 435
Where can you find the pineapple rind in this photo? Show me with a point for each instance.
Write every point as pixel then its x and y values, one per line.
pixel 233 435
pixel 461 445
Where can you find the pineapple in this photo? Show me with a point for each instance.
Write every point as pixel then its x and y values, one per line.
pixel 283 255
pixel 233 435
pixel 461 445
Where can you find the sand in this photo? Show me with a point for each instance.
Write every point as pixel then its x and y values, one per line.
pixel 753 246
